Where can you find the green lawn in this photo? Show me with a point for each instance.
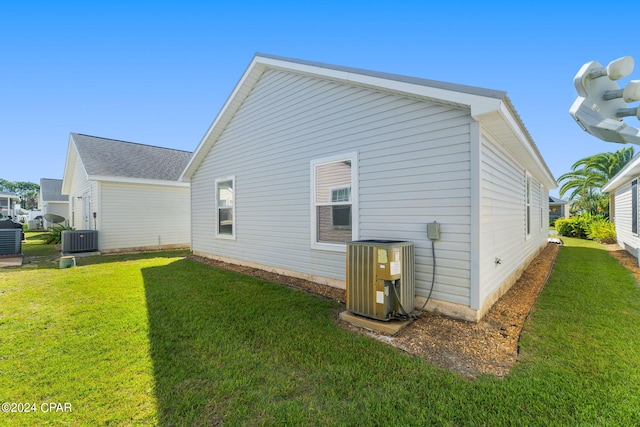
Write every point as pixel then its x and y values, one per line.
pixel 158 339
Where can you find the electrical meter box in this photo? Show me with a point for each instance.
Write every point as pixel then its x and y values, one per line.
pixel 380 278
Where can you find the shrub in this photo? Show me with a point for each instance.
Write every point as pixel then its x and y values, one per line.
pixel 55 234
pixel 585 225
pixel 602 231
pixel 574 226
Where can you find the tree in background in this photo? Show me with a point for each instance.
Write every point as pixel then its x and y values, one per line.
pixel 27 191
pixel 589 175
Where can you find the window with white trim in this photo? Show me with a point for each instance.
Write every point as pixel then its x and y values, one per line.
pixel 225 208
pixel 528 204
pixel 333 189
pixel 542 206
pixel 634 206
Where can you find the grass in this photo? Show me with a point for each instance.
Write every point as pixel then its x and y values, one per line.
pixel 161 340
pixel 35 248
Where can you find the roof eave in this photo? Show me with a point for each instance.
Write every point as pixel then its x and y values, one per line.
pixel 67 175
pixel 629 172
pixel 518 141
pixel 481 103
pixel 144 181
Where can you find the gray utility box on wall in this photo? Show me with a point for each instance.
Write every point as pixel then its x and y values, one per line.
pixel 79 241
pixel 10 241
pixel 380 278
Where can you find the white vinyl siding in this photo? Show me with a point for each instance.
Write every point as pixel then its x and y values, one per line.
pixel 504 240
pixel 142 216
pixel 623 202
pixel 81 186
pixel 57 208
pixel 413 168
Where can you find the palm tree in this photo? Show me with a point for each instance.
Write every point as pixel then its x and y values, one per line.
pixel 589 175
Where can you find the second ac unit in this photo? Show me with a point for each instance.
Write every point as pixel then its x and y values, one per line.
pixel 10 241
pixel 79 241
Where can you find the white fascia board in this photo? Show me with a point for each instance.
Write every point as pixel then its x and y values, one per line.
pixel 144 181
pixel 630 171
pixel 72 157
pixel 66 178
pixel 239 93
pixel 529 145
pixel 535 160
pixel 477 103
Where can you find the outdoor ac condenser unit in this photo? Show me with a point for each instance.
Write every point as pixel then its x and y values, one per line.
pixel 10 241
pixel 380 278
pixel 79 241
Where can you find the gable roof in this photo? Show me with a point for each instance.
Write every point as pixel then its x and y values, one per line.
pixel 556 201
pixel 51 190
pixel 106 159
pixel 491 107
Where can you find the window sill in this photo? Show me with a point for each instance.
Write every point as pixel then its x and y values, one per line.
pixel 225 237
pixel 329 247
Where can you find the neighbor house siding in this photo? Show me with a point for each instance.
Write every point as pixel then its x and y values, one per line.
pixel 134 216
pixel 80 187
pixel 506 247
pixel 56 208
pixel 626 238
pixel 414 168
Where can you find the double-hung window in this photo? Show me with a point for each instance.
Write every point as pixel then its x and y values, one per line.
pixel 528 204
pixel 634 207
pixel 225 208
pixel 542 210
pixel 334 201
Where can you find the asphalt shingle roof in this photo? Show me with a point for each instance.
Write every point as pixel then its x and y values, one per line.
pixel 51 190
pixel 557 201
pixel 109 157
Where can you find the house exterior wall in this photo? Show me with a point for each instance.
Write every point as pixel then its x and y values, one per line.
pixel 505 247
pixel 141 216
pixel 413 168
pixel 416 162
pixel 128 216
pixel 57 208
pixel 81 188
pixel 622 219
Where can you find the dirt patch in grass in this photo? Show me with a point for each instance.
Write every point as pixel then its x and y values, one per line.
pixel 487 347
pixel 625 258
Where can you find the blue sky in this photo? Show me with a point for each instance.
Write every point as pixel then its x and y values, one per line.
pixel 158 72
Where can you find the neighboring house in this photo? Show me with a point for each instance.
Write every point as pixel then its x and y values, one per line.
pixel 304 157
pixel 8 202
pixel 558 208
pixel 623 207
pixel 52 201
pixel 129 192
